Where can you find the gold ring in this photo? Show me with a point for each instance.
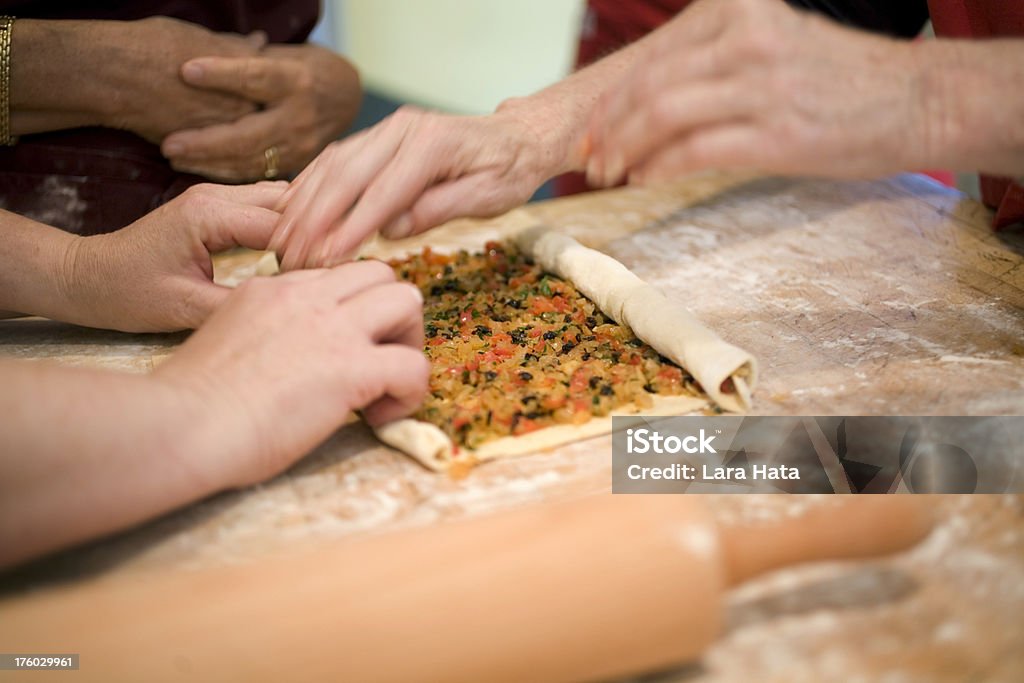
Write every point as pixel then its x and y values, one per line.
pixel 270 159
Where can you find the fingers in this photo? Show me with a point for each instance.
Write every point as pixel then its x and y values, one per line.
pixel 394 189
pixel 324 195
pixel 265 194
pixel 403 376
pixel 482 195
pixel 226 217
pixel 230 151
pixel 388 313
pixel 340 284
pixel 260 79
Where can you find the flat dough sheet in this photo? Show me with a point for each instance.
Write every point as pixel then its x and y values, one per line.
pixel 663 323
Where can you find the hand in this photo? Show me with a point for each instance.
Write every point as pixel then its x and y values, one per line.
pixel 756 84
pixel 151 98
pixel 413 171
pixel 156 275
pixel 309 96
pixel 285 360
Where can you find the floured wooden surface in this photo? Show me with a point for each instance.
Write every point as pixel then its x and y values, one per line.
pixel 857 298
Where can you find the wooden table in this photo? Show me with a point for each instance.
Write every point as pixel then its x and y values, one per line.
pixel 887 297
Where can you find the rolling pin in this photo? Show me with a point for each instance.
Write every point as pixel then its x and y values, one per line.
pixel 587 589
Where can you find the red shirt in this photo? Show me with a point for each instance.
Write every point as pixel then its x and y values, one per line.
pixel 92 180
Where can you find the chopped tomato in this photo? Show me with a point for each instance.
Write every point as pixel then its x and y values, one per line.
pixel 670 374
pixel 579 381
pixel 541 304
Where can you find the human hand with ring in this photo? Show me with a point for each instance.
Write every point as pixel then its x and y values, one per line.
pixel 308 95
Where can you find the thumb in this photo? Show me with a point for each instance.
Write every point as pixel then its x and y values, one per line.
pixel 229 225
pixel 260 79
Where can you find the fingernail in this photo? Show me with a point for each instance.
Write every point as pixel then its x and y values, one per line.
pixel 192 71
pixel 592 175
pixel 402 227
pixel 417 293
pixel 614 169
pixel 173 149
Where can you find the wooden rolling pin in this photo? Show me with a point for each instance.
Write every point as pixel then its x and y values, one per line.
pixel 587 589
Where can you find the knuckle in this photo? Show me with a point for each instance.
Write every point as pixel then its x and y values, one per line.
pixel 198 197
pixel 662 112
pixel 304 79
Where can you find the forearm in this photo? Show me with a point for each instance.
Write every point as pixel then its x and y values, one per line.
pixel 33 267
pixel 87 452
pixel 63 74
pixel 974 109
pixel 559 113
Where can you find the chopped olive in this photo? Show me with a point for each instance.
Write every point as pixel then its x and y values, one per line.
pixel 566 318
pixel 513 303
pixel 586 355
pixel 649 388
pixel 616 356
pixel 635 342
pixel 525 376
pixel 436 290
pixel 531 357
pixel 567 347
pixel 594 381
pixel 491 375
pixel 482 331
pixel 533 415
pixel 448 269
pixel 591 321
pixel 549 335
pixel 607 390
pixel 430 330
